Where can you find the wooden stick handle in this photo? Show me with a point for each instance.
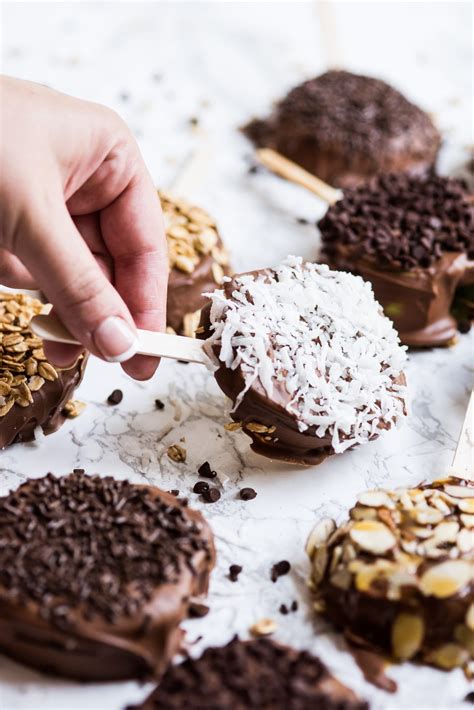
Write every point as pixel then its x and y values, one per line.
pixel 175 347
pixel 194 170
pixel 463 462
pixel 294 173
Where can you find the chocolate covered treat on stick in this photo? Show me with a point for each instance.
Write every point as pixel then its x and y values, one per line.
pixel 398 576
pixel 96 575
pixel 197 258
pixel 252 675
pixel 311 364
pixel 412 238
pixel 33 391
pixel 346 129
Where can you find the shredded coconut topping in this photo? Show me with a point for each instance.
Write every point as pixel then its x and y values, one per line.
pixel 323 335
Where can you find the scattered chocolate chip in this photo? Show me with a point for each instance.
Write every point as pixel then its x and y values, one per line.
pixel 115 397
pixel 469 698
pixel 198 610
pixel 464 326
pixel 279 569
pixel 283 609
pixel 234 571
pixel 302 220
pixel 294 606
pixel 159 404
pixel 253 169
pixel 183 362
pixel 206 471
pixel 184 502
pixel 212 495
pixel 174 492
pixel 248 494
pixel 201 487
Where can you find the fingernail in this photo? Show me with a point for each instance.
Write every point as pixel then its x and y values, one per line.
pixel 115 340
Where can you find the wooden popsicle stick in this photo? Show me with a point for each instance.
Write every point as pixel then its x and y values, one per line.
pixel 294 173
pixel 175 347
pixel 194 170
pixel 463 462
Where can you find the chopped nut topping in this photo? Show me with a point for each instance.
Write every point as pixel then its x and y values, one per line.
pixel 23 365
pixel 177 453
pixel 192 234
pixel 264 627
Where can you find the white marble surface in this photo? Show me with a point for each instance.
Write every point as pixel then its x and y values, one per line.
pixel 160 64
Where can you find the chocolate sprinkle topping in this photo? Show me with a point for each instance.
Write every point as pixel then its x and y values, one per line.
pixel 248 675
pixel 402 221
pixel 103 544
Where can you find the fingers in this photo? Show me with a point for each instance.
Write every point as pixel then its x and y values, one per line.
pixel 133 231
pixel 66 271
pixel 12 272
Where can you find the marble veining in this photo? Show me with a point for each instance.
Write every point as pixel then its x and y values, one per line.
pixel 160 64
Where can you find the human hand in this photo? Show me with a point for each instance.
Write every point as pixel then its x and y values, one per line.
pixel 80 220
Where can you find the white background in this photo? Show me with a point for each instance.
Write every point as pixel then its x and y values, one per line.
pixel 159 64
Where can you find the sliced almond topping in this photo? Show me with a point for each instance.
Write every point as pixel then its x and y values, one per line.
pixel 467 520
pixel 190 323
pixel 445 579
pixel 233 426
pixel 376 499
pixel 465 540
pixel 361 512
pixel 448 656
pixel 446 531
pixel 459 491
pixel 319 558
pixel 428 516
pixel 372 536
pixel 341 578
pixel 319 535
pixel 217 273
pixel 408 631
pixel 259 428
pixel 466 505
pixel 470 617
pixel 465 637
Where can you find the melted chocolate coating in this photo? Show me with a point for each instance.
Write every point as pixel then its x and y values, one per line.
pixel 417 301
pixel 46 411
pixel 94 649
pixel 346 128
pixel 185 291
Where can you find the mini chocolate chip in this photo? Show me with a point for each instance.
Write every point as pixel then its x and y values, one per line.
pixel 248 494
pixel 115 397
pixel 464 326
pixel 302 220
pixel 201 487
pixel 294 606
pixel 279 569
pixel 184 502
pixel 197 610
pixel 469 698
pixel 283 609
pixel 234 571
pixel 159 404
pixel 174 492
pixel 206 471
pixel 212 495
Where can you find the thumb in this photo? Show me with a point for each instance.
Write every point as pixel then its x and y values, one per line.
pixel 66 271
